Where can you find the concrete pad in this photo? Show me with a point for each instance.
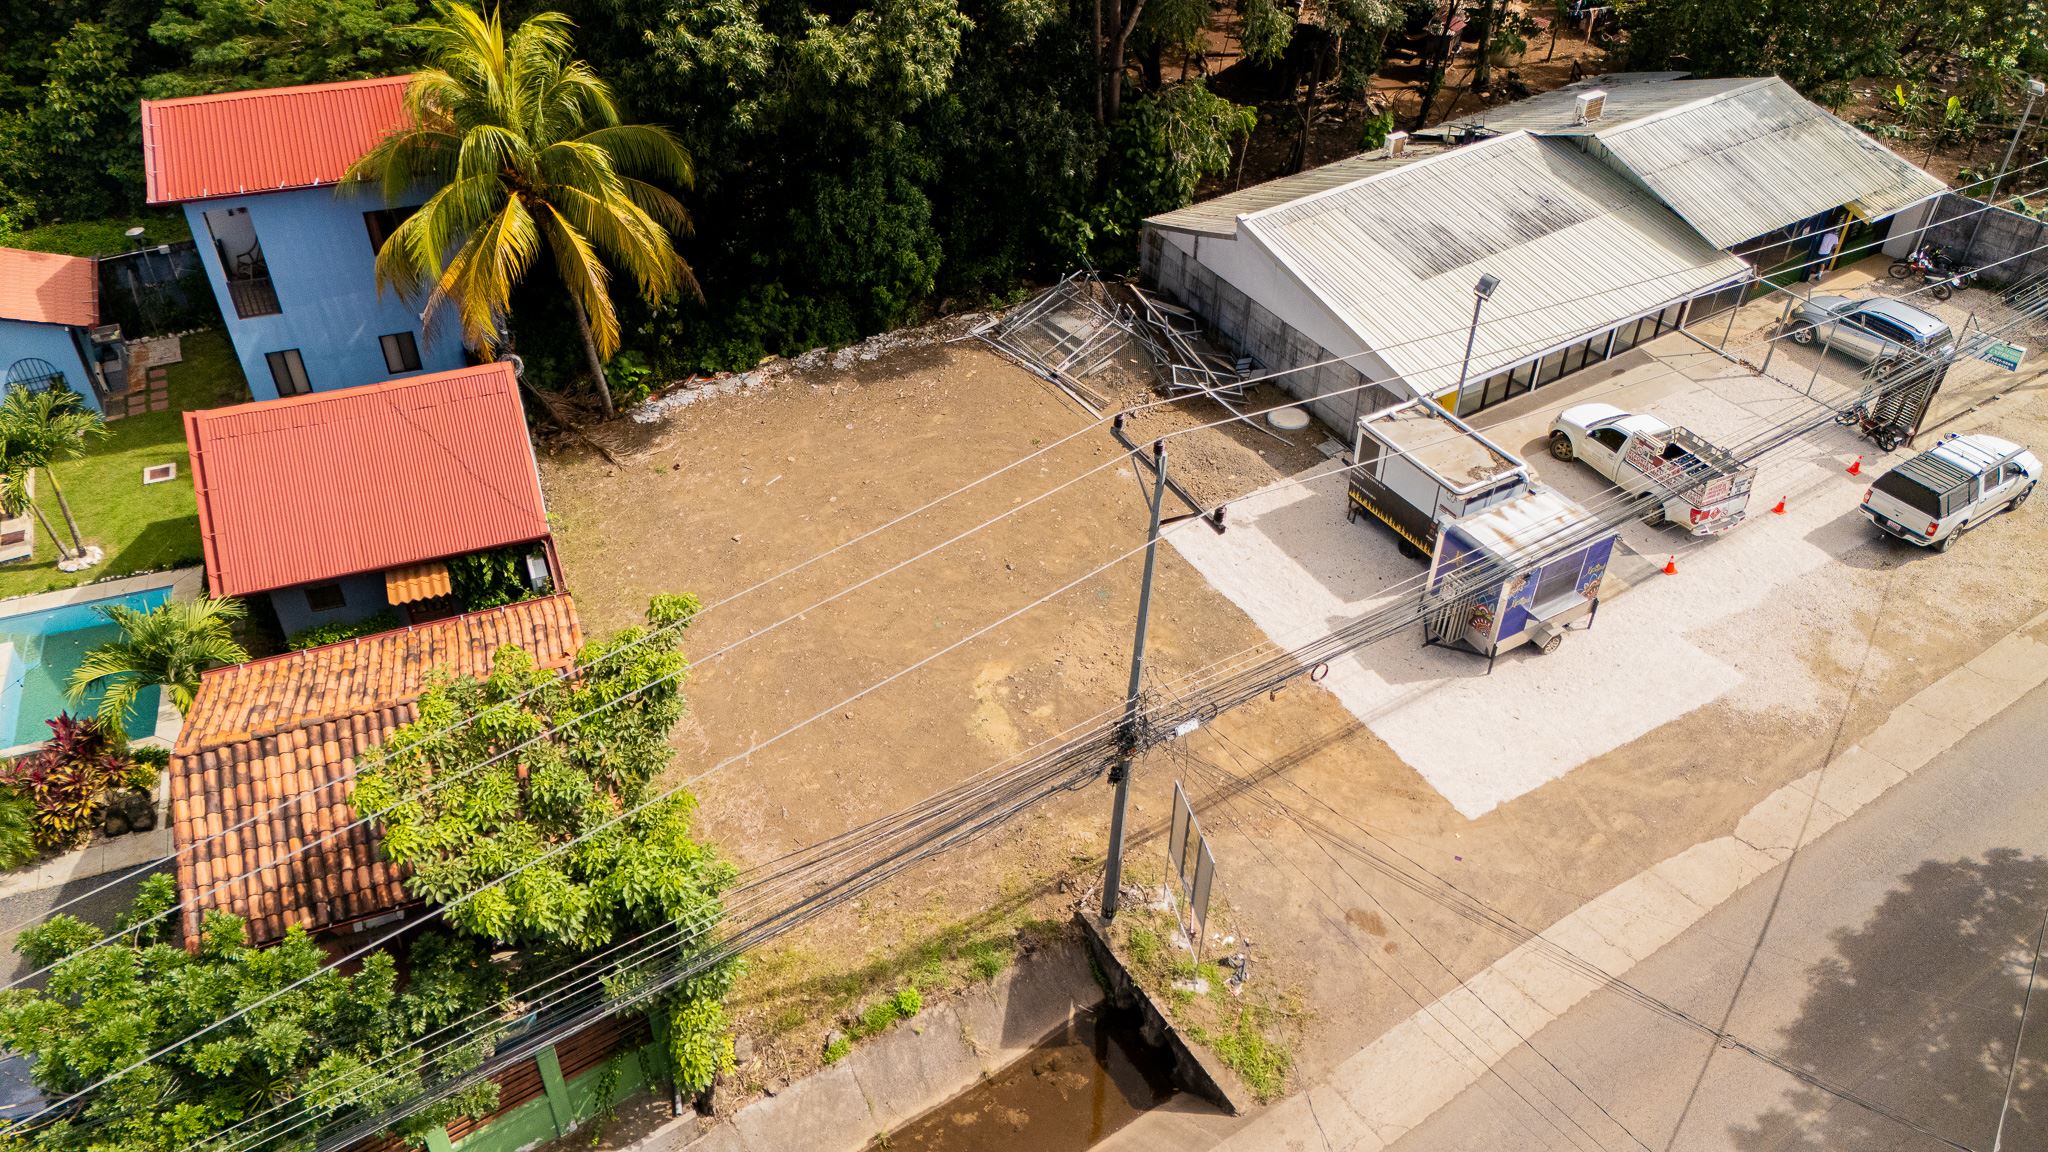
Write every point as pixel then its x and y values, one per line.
pixel 1186 1122
pixel 1516 1008
pixel 723 1138
pixel 1909 738
pixel 2016 659
pixel 819 1112
pixel 1856 778
pixel 1578 934
pixel 912 1067
pixel 1544 980
pixel 1779 821
pixel 1966 697
pixel 1711 872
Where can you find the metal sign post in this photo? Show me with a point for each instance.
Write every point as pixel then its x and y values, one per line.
pixel 1194 868
pixel 1127 739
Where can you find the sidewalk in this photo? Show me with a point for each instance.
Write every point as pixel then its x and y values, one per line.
pixel 1396 1082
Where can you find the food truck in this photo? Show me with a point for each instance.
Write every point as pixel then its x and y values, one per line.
pixel 1485 597
pixel 1415 466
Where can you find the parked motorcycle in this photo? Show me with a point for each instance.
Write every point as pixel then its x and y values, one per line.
pixel 1928 263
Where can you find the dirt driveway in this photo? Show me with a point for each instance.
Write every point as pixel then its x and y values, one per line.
pixel 729 493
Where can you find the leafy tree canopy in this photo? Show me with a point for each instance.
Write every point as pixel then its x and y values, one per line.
pixel 333 1043
pixel 236 44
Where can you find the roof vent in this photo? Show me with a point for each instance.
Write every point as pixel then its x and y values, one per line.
pixel 1397 144
pixel 1590 105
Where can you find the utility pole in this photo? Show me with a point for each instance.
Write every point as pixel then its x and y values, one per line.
pixel 1127 733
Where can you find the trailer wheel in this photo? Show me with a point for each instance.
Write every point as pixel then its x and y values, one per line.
pixel 1889 440
pixel 1407 549
pixel 1550 643
pixel 1561 446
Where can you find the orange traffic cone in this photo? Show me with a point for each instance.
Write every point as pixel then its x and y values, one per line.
pixel 1856 467
pixel 1671 566
pixel 1778 509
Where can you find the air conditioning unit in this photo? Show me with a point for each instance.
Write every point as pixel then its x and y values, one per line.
pixel 1397 144
pixel 1590 104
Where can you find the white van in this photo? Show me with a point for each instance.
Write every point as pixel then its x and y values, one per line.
pixel 1933 498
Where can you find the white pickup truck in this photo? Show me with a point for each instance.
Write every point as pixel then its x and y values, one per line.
pixel 1704 488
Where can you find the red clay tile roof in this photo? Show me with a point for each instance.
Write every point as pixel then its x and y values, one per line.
pixel 268 750
pixel 266 140
pixel 363 479
pixel 49 289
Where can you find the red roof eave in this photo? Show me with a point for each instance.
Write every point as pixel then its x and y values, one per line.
pixel 264 140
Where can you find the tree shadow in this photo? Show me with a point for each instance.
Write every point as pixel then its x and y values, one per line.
pixel 1916 1011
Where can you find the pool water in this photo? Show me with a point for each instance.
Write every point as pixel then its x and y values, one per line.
pixel 38 653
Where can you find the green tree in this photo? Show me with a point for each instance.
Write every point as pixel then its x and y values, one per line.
pixel 229 45
pixel 1167 143
pixel 168 646
pixel 17 499
pixel 37 429
pixel 75 150
pixel 336 1042
pixel 522 764
pixel 526 151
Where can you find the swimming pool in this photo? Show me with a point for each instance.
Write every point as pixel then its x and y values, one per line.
pixel 40 650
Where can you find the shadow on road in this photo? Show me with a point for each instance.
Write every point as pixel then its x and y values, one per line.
pixel 1916 1012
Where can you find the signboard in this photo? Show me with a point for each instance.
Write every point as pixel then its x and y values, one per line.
pixel 2006 356
pixel 1194 869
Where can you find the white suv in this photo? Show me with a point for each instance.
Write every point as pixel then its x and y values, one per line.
pixel 1933 498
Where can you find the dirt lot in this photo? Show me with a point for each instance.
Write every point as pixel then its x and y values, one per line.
pixel 731 492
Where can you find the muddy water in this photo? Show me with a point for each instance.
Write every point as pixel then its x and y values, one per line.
pixel 1072 1091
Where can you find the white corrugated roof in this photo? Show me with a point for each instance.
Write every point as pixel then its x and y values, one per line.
pixel 1575 244
pixel 1218 216
pixel 1737 158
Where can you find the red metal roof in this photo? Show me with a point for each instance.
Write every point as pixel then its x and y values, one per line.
pixel 49 289
pixel 330 484
pixel 266 140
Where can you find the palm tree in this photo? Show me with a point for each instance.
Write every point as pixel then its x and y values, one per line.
pixel 38 429
pixel 15 499
pixel 169 645
pixel 526 151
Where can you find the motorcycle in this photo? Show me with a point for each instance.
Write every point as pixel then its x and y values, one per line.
pixel 1927 263
pixel 1859 416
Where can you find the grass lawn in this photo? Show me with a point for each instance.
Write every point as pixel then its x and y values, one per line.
pixel 141 529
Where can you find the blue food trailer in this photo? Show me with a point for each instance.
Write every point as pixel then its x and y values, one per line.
pixel 1488 600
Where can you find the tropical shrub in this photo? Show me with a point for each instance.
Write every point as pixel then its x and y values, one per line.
pixel 489 840
pixel 17 828
pixel 67 779
pixel 169 646
pixel 491 579
pixel 145 765
pixel 335 633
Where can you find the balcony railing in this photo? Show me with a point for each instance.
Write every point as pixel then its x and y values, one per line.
pixel 253 296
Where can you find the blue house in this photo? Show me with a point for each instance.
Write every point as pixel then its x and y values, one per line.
pixel 49 306
pixel 291 257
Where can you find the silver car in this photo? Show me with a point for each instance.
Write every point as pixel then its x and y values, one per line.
pixel 1878 331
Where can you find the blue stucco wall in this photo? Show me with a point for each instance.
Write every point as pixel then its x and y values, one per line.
pixel 56 343
pixel 364 596
pixel 323 270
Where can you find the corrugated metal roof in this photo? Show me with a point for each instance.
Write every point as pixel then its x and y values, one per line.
pixel 46 288
pixel 336 483
pixel 264 140
pixel 1576 246
pixel 1630 96
pixel 1760 158
pixel 1737 158
pixel 1218 216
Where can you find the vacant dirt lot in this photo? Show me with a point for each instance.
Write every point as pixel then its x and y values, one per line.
pixel 730 493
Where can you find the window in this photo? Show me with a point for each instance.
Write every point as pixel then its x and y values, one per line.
pixel 401 353
pixel 242 266
pixel 1552 368
pixel 1609 438
pixel 1887 328
pixel 382 223
pixel 325 598
pixel 288 371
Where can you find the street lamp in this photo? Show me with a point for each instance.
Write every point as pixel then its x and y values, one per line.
pixel 1481 293
pixel 2034 91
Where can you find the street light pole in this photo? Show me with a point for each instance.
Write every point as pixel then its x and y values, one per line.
pixel 1481 293
pixel 1127 733
pixel 2034 90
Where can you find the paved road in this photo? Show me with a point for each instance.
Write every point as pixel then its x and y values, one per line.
pixel 1894 967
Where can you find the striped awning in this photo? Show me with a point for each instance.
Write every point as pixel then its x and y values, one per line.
pixel 415 582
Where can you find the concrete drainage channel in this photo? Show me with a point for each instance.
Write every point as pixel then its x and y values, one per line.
pixel 1041 1059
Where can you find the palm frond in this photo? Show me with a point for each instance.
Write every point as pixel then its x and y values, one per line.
pixel 585 276
pixel 644 149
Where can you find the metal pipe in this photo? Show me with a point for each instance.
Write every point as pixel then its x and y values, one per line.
pixel 1127 743
pixel 1471 336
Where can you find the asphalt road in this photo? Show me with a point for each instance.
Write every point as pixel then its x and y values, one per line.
pixel 1890 960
